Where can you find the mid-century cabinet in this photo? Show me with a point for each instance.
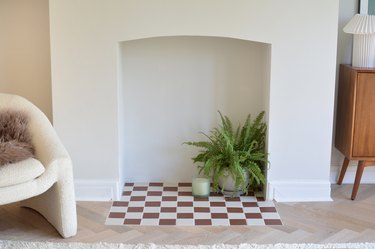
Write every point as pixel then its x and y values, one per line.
pixel 355 120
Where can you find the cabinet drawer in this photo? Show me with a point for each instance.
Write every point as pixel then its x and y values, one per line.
pixel 364 117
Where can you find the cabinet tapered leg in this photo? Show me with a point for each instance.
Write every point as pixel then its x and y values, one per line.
pixel 343 170
pixel 358 176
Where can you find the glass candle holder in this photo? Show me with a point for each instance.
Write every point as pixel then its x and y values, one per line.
pixel 201 187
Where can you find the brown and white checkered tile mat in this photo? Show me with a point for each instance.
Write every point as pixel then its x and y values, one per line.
pixel 155 203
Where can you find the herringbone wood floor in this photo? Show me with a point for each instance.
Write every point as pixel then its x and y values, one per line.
pixel 342 220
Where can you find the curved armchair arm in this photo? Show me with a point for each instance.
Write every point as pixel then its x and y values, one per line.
pixel 47 144
pixel 52 193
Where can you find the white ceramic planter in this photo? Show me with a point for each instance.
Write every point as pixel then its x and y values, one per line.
pixel 227 183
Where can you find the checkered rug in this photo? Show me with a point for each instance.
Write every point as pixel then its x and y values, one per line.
pixel 156 203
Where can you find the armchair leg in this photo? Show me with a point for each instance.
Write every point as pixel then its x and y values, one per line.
pixel 58 206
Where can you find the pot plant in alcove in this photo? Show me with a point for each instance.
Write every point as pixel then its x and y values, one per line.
pixel 234 159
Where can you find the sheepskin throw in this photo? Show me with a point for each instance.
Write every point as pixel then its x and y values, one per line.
pixel 15 138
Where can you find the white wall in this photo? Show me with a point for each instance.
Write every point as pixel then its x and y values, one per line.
pixel 348 8
pixel 303 34
pixel 173 88
pixel 25 51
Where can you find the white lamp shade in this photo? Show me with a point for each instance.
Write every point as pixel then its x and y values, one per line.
pixel 361 24
pixel 363 29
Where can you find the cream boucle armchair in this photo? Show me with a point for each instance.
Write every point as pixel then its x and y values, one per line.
pixel 43 183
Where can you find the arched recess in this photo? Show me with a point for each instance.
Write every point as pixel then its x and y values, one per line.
pixel 170 89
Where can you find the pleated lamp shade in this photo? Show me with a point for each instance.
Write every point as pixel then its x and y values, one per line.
pixel 363 29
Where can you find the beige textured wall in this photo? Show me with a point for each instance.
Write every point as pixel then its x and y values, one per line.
pixel 25 67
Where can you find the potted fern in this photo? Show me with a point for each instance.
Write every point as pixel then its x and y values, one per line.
pixel 235 159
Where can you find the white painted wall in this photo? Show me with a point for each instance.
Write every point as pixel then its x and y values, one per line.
pixel 84 42
pixel 348 8
pixel 25 51
pixel 173 88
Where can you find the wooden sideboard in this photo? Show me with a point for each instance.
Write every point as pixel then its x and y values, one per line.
pixel 355 120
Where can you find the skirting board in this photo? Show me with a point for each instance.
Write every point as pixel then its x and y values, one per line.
pixel 281 191
pixel 368 176
pixel 96 190
pixel 299 191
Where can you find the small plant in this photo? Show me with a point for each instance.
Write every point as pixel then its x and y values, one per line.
pixel 235 152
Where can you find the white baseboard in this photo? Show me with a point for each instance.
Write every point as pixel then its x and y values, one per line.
pixel 96 190
pixel 368 176
pixel 281 191
pixel 299 191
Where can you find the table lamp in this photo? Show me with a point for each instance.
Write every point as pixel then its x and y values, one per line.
pixel 363 29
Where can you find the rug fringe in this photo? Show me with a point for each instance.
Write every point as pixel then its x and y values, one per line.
pixel 6 244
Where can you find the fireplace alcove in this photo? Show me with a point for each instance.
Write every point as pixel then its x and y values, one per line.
pixel 172 87
pixel 88 106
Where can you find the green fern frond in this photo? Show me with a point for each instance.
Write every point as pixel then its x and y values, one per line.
pixel 237 153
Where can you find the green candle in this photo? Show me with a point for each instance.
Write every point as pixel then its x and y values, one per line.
pixel 201 187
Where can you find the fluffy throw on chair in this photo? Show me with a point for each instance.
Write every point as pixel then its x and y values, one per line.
pixel 15 138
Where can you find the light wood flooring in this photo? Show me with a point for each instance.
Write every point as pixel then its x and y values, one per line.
pixel 342 221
